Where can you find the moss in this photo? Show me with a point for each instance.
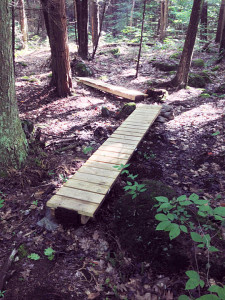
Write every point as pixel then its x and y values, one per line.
pixel 165 66
pixel 198 63
pixel 216 68
pixel 115 52
pixel 221 89
pixel 176 55
pixel 199 80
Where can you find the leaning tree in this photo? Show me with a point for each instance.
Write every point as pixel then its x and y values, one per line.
pixel 13 144
pixel 181 77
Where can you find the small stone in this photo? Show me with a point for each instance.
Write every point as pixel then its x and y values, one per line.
pixel 105 112
pixel 161 119
pixel 167 108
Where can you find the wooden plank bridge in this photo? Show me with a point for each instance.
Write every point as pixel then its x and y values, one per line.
pixel 87 189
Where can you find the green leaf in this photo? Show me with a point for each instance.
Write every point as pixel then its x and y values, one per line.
pixel 161 217
pixel 183 297
pixel 213 249
pixel 174 232
pixel 220 211
pixel 216 133
pixel 204 208
pixel 193 275
pixel 201 245
pixel 49 251
pixel 143 190
pixel 201 202
pixel 165 205
pixel 196 237
pixel 218 218
pixel 193 197
pixel 171 217
pixel 191 284
pixel 182 198
pixel 214 288
pixel 34 256
pixel 129 183
pixel 184 228
pixel 202 214
pixel 208 297
pixel 185 203
pixel 162 199
pixel 201 283
pixel 162 225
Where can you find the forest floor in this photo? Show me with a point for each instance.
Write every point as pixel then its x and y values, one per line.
pixel 186 153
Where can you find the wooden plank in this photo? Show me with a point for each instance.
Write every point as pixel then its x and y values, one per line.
pixel 100 172
pixel 112 154
pixel 87 186
pixel 130 131
pixel 126 137
pixel 80 194
pixel 127 142
pixel 112 89
pixel 94 179
pixel 118 143
pixel 118 149
pixel 108 159
pixel 82 207
pixel 101 165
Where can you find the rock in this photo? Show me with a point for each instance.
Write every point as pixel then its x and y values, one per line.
pixel 168 115
pixel 28 127
pixel 165 66
pixel 100 132
pixel 166 108
pixel 161 119
pixel 79 68
pixel 221 89
pixel 157 94
pixel 48 222
pixel 105 112
pixel 115 52
pixel 199 79
pixel 126 110
pixel 198 63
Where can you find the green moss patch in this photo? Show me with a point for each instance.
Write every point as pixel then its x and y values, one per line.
pixel 198 63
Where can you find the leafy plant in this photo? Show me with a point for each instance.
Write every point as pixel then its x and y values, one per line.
pixel 35 202
pixel 175 217
pixel 63 177
pixel 87 150
pixel 49 252
pixel 1 202
pixel 216 133
pixel 2 294
pixel 34 256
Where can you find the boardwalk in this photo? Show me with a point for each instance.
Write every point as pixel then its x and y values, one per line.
pixel 87 189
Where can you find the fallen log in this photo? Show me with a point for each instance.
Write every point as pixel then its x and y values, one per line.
pixel 113 89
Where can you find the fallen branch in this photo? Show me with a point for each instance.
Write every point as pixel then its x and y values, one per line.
pixel 4 270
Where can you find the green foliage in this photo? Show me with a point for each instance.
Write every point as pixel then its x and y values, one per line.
pixel 34 256
pixel 63 178
pixel 22 252
pixel 87 150
pixel 215 133
pixel 49 252
pixel 2 294
pixel 2 195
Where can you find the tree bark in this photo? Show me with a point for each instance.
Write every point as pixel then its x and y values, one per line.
pixel 181 78
pixel 132 12
pixel 221 21
pixel 82 23
pixel 204 21
pixel 222 45
pixel 57 31
pixel 94 21
pixel 23 23
pixel 163 19
pixel 13 144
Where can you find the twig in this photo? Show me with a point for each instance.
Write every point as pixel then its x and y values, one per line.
pixel 6 267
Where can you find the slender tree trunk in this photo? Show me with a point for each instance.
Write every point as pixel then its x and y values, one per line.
pixel 163 19
pixel 75 20
pixel 204 21
pixel 142 30
pixel 222 45
pixel 13 34
pixel 132 12
pixel 57 31
pixel 82 23
pixel 23 23
pixel 221 21
pixel 181 78
pixel 13 144
pixel 94 21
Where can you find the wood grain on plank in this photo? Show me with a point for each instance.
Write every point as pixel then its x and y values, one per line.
pixel 87 186
pixel 96 171
pixel 93 178
pixel 101 165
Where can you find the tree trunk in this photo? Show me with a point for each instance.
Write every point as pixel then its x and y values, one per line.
pixel 221 21
pixel 181 78
pixel 58 39
pixel 82 23
pixel 222 45
pixel 163 19
pixel 13 144
pixel 75 19
pixel 23 23
pixel 94 20
pixel 132 12
pixel 204 21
